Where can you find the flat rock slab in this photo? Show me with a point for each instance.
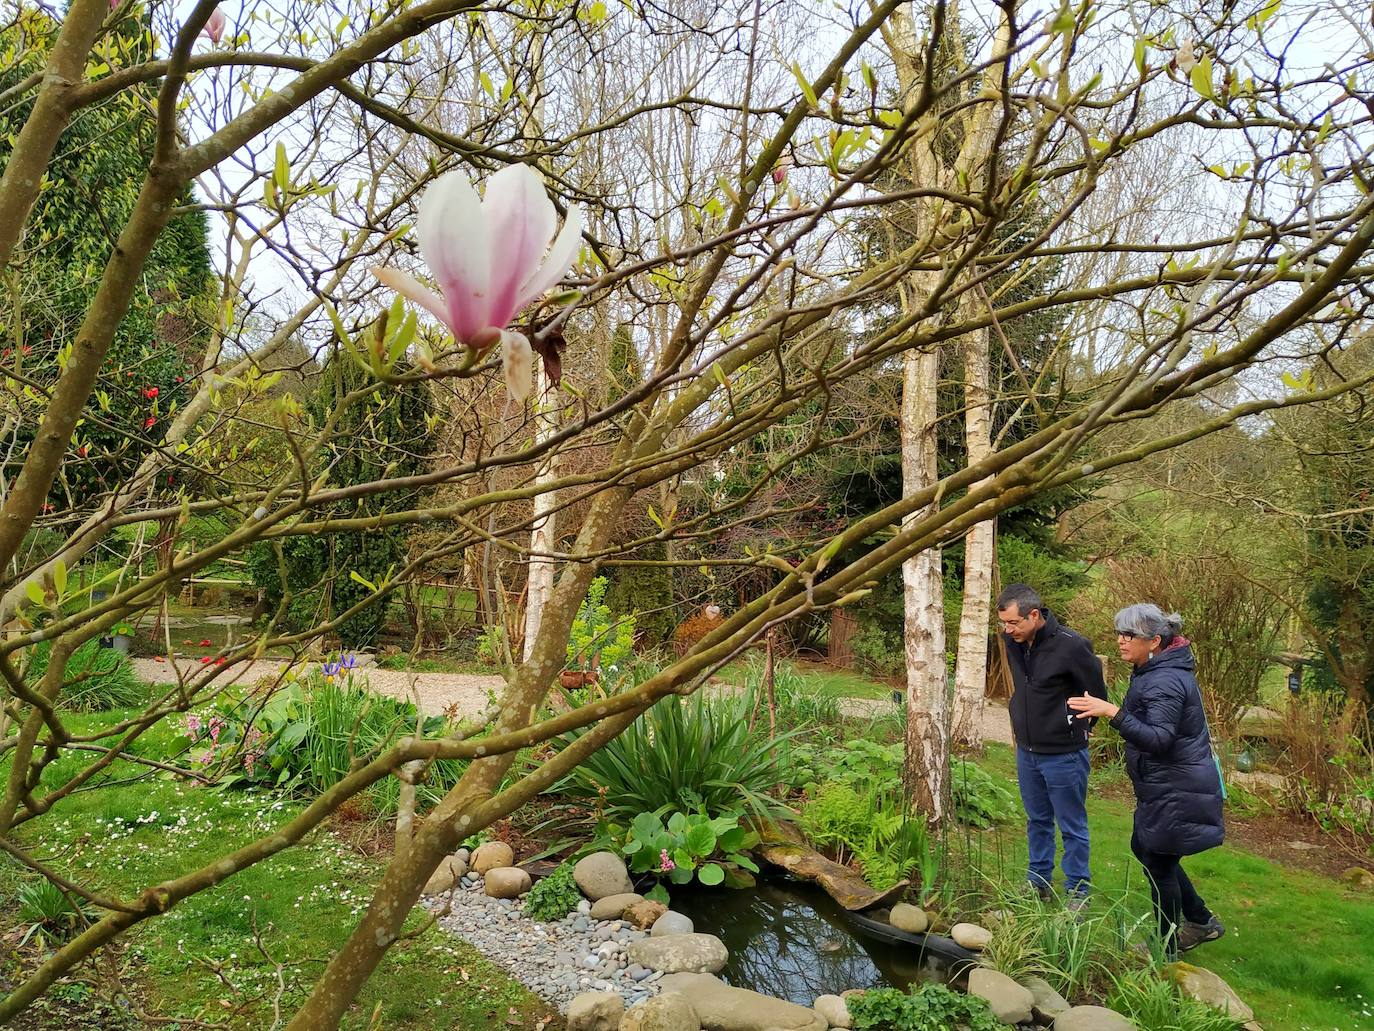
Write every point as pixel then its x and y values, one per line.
pixel 722 1008
pixel 841 883
pixel 680 953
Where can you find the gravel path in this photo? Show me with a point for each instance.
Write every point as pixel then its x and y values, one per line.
pixel 996 722
pixel 457 694
pixel 466 694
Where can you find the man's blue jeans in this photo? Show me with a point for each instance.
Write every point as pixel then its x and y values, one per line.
pixel 1054 790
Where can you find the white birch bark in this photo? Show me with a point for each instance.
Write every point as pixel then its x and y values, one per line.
pixel 971 663
pixel 541 568
pixel 927 706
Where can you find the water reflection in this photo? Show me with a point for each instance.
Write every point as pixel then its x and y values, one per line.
pixel 791 941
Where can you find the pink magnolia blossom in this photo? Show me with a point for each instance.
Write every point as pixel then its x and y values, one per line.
pixel 491 256
pixel 215 25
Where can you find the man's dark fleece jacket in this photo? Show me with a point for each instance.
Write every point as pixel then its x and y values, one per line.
pixel 1056 665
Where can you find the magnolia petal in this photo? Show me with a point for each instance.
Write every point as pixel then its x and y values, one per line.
pixel 452 234
pixel 214 25
pixel 408 286
pixel 517 361
pixel 521 221
pixel 1186 58
pixel 560 257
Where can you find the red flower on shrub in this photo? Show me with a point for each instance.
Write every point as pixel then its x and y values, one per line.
pixel 207 643
pixel 148 422
pixel 205 660
pixel 150 393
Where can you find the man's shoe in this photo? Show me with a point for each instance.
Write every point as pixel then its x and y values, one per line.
pixel 1191 935
pixel 1077 904
pixel 1038 890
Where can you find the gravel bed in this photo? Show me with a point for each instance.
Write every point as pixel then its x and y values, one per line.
pixel 555 960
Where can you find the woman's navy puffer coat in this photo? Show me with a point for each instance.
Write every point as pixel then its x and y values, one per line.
pixel 1169 756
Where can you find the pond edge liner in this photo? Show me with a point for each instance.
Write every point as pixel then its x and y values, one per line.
pixel 946 950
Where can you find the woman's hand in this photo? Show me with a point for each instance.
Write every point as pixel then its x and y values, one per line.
pixel 1088 707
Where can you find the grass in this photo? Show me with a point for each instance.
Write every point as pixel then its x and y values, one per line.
pixel 823 680
pixel 200 961
pixel 1297 944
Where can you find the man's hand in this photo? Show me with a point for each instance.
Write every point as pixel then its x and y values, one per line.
pixel 1089 707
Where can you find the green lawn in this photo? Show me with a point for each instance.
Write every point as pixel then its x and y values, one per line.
pixel 816 677
pixel 1298 946
pixel 301 903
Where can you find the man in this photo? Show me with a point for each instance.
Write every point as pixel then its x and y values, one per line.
pixel 1049 665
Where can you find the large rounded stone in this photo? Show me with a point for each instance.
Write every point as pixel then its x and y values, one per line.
pixel 1206 987
pixel 492 855
pixel 909 918
pixel 612 906
pixel 1092 1018
pixel 595 1011
pixel 1048 1002
pixel 1010 1003
pixel 971 936
pixel 446 876
pixel 602 874
pixel 667 1012
pixel 834 1009
pixel 506 882
pixel 672 923
pixel 720 1007
pixel 644 914
pixel 680 953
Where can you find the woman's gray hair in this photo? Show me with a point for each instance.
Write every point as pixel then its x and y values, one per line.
pixel 1148 620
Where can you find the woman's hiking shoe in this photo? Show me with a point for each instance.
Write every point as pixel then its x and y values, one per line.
pixel 1191 935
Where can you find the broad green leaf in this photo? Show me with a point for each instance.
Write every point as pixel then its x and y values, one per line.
pixel 357 578
pixel 658 893
pixel 1202 77
pixel 807 91
pixel 59 577
pixel 281 171
pixel 701 840
pixel 711 874
pixel 35 592
pixel 1140 55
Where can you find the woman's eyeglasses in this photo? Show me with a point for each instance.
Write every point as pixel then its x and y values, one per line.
pixel 1130 635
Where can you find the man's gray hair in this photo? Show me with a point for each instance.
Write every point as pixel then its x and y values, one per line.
pixel 1148 620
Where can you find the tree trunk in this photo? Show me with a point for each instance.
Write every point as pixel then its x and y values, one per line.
pixel 541 568
pixel 971 665
pixel 927 698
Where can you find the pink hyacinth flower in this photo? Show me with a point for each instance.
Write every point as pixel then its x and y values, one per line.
pixel 215 25
pixel 491 256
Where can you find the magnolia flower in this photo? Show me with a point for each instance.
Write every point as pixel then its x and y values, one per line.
pixel 214 26
pixel 491 257
pixel 1185 59
pixel 781 169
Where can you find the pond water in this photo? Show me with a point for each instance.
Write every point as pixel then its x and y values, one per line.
pixel 792 941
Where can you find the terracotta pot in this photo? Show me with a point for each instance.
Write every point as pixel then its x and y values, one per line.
pixel 571 679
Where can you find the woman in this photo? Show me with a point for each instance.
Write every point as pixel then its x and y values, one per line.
pixel 1169 760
